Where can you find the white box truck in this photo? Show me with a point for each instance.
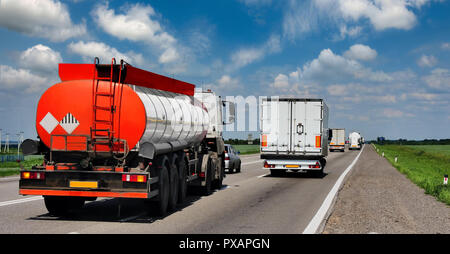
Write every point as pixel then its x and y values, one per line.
pixel 337 140
pixel 294 134
pixel 354 140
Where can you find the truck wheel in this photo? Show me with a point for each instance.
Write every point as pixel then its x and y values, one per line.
pixel 218 183
pixel 207 188
pixel 319 173
pixel 182 190
pixel 61 205
pixel 230 169
pixel 164 189
pixel 173 193
pixel 238 169
pixel 277 172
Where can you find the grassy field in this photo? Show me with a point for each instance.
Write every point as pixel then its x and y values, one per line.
pixel 247 149
pixel 12 167
pixel 424 165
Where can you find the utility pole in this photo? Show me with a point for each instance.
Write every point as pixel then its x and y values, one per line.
pixel 0 140
pixel 7 143
pixel 19 142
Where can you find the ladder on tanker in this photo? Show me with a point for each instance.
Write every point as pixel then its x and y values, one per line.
pixel 105 107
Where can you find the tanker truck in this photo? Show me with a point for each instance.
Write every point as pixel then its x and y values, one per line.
pixel 116 131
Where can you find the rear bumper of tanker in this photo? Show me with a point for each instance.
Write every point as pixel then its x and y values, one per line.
pixel 86 184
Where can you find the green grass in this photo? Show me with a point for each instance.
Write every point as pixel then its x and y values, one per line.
pixel 13 167
pixel 247 149
pixel 434 149
pixel 423 165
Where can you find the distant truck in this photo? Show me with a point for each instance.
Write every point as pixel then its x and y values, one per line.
pixel 294 134
pixel 338 140
pixel 355 141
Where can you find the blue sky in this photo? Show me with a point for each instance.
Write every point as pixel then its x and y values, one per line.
pixel 382 66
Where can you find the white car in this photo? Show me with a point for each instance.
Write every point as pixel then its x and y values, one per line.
pixel 232 160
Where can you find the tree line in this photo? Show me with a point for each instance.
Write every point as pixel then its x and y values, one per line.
pixel 383 141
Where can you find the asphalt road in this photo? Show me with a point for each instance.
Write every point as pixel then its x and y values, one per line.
pixel 250 202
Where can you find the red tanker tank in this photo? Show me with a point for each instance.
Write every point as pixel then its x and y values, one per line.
pixel 113 108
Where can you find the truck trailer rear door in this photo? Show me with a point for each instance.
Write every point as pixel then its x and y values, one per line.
pixel 306 126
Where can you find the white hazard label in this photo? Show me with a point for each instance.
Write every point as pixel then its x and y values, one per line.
pixel 49 123
pixel 69 123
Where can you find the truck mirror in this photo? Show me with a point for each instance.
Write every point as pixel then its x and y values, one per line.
pixel 330 134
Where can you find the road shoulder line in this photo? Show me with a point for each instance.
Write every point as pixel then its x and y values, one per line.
pixel 319 217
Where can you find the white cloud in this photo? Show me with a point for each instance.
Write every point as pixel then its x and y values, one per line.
pixel 427 61
pixel 41 59
pixel 138 24
pixel 329 66
pixel 351 32
pixel 382 14
pixel 281 81
pixel 445 46
pixel 438 79
pixel 256 2
pixel 21 80
pixel 226 85
pixel 338 90
pixel 394 113
pixel 44 18
pixel 361 52
pixel 89 50
pixel 246 56
pixel 301 17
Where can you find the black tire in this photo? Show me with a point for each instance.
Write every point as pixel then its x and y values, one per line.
pixel 318 173
pixel 59 206
pixel 230 168
pixel 182 190
pixel 207 189
pixel 277 172
pixel 164 189
pixel 238 169
pixel 218 183
pixel 174 187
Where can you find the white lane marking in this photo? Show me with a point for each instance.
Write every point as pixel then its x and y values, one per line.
pixel 133 217
pixel 18 201
pixel 251 162
pixel 316 221
pixel 9 179
pixel 263 175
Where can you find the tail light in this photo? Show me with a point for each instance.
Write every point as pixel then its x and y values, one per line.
pixel 264 140
pixel 227 157
pixel 134 178
pixel 32 175
pixel 202 174
pixel 315 166
pixel 267 165
pixel 318 141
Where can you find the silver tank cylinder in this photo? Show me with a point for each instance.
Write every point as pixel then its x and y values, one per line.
pixel 174 121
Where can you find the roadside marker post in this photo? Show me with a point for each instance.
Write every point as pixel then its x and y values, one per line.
pixel 396 158
pixel 445 179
